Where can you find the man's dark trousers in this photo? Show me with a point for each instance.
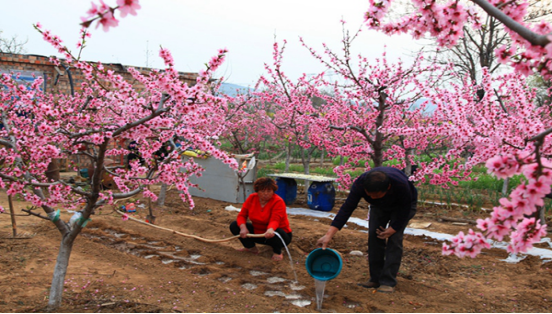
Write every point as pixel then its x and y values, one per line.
pixel 384 256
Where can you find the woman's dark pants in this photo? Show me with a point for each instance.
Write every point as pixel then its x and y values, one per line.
pixel 274 242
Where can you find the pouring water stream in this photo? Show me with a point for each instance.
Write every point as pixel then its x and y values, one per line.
pixel 290 259
pixel 319 286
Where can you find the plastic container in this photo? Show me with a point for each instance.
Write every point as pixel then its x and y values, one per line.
pixel 323 264
pixel 130 208
pixel 321 196
pixel 84 173
pixel 287 190
pixel 74 219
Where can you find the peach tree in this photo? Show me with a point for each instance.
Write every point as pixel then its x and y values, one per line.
pixel 38 127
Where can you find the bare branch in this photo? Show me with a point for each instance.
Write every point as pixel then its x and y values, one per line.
pixel 12 45
pixel 30 212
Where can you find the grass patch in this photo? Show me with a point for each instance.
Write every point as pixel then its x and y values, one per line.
pixel 483 191
pixel 298 168
pixel 474 198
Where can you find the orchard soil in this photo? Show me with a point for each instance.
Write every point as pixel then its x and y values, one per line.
pixel 125 266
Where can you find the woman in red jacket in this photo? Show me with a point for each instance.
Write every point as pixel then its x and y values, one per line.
pixel 267 213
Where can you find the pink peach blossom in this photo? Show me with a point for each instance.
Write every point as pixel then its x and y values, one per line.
pixel 128 7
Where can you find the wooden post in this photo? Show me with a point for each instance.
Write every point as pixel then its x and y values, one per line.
pixel 12 214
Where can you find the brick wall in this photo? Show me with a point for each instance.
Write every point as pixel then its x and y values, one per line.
pixel 57 77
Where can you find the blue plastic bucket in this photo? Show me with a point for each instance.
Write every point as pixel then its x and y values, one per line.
pixel 287 190
pixel 324 264
pixel 321 196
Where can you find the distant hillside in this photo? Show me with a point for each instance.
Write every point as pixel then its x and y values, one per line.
pixel 429 106
pixel 232 89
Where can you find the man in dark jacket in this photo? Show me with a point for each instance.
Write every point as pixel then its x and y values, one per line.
pixel 392 199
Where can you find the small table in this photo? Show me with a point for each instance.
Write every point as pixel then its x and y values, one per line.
pixel 320 195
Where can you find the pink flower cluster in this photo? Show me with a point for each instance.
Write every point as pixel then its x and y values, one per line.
pixel 55 41
pixel 502 166
pixel 39 128
pixel 104 14
pixel 469 244
pixel 166 55
pixel 213 64
pixel 368 111
pixel 445 22
pixel 128 6
pixel 512 217
pixel 524 56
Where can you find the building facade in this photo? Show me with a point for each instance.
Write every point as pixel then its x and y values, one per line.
pixel 65 80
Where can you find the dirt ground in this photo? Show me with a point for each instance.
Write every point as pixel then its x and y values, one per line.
pixel 125 266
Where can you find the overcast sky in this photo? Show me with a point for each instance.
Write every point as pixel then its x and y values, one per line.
pixel 194 30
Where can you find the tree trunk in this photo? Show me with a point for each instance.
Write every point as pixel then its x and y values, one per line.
pixel 60 271
pixel 540 215
pixel 69 235
pixel 238 144
pixel 306 156
pixel 162 195
pixel 408 164
pixel 12 215
pixel 378 154
pixel 245 142
pixel 305 159
pixel 505 186
pixel 275 158
pixel 377 144
pixel 288 157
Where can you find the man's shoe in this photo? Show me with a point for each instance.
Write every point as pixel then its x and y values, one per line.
pixel 369 284
pixel 386 289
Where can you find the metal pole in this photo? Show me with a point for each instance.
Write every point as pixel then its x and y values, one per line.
pixel 12 214
pixel 70 78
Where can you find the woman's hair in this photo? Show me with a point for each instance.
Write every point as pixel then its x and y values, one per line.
pixel 262 184
pixel 376 181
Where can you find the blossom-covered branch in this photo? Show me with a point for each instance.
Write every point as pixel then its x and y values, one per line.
pixel 104 15
pixel 529 52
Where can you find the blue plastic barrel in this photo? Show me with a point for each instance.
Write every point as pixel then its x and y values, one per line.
pixel 321 196
pixel 84 173
pixel 287 190
pixel 324 264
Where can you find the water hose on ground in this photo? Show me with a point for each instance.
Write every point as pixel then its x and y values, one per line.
pixel 249 235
